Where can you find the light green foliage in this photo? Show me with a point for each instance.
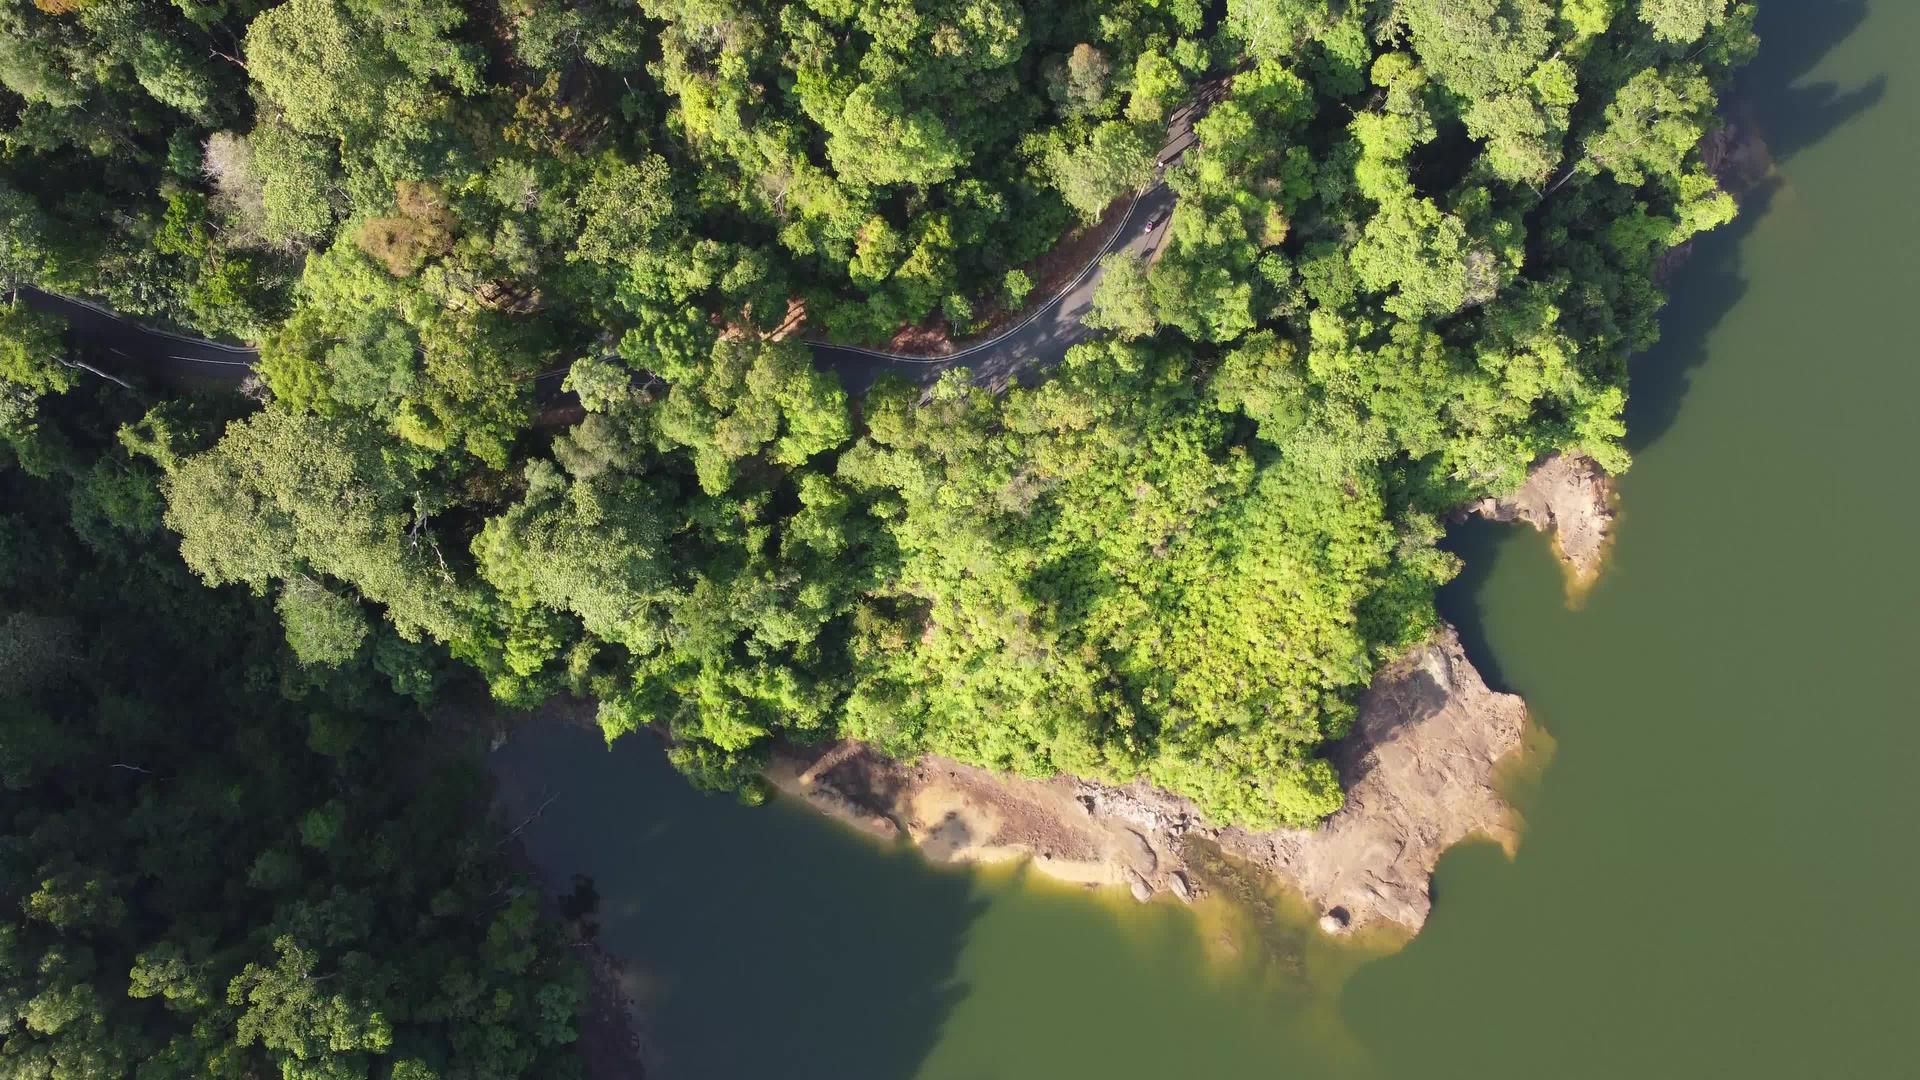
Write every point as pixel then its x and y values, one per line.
pixel 927 114
pixel 622 206
pixel 1682 22
pixel 1111 580
pixel 31 351
pixel 287 1011
pixel 311 63
pixel 1421 255
pixel 592 547
pixel 603 384
pixel 1157 84
pixel 1652 124
pixel 174 77
pixel 1016 287
pixel 283 492
pixel 1237 189
pixel 352 67
pixel 1123 302
pixel 359 343
pixel 1523 127
pixel 323 627
pixel 876 141
pixel 751 398
pixel 295 173
pixel 1475 48
pixel 1588 18
pixel 1115 161
pixel 1275 29
pixel 1497 58
pixel 1263 379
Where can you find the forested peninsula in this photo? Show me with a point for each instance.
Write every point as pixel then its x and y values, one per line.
pixel 534 415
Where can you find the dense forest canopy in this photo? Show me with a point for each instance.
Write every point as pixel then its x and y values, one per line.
pixel 1412 250
pixel 218 857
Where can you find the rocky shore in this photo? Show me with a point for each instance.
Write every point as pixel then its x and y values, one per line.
pixel 1418 770
pixel 1569 497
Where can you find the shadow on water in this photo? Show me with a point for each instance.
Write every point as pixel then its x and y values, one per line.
pixel 1462 601
pixel 747 951
pixel 1795 38
pixel 1612 949
pixel 1788 116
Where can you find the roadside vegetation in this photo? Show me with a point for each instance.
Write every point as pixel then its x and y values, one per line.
pixel 1411 254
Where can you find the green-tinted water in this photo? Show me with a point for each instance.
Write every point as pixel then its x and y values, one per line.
pixel 1716 877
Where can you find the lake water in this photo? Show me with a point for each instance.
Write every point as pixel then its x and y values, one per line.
pixel 1718 873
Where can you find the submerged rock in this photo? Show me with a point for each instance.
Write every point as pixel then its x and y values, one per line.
pixel 1177 881
pixel 1336 921
pixel 1142 891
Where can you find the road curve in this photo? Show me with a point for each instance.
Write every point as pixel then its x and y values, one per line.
pixel 1035 343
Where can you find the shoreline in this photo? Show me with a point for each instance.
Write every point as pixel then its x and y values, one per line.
pixel 1421 771
pixel 1573 500
pixel 611 1032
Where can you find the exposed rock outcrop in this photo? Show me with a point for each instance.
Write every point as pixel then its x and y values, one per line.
pixel 1418 770
pixel 1736 153
pixel 1571 497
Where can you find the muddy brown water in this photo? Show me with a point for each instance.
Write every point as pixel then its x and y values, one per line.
pixel 1716 876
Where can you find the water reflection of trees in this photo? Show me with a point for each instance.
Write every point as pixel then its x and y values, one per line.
pixel 762 942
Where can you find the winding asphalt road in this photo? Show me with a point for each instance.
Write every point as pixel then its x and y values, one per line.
pixel 1036 343
pixel 122 345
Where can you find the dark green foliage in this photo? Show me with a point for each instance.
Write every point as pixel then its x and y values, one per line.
pixel 215 863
